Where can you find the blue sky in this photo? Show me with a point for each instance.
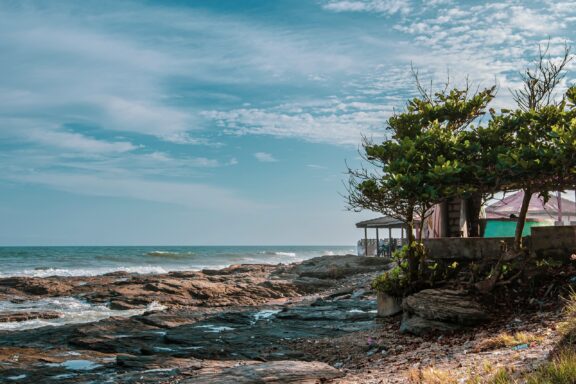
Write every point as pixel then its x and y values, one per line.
pixel 225 122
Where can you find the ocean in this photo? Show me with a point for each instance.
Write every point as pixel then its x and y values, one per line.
pixel 98 260
pixel 92 261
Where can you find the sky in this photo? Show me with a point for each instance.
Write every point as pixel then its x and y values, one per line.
pixel 226 122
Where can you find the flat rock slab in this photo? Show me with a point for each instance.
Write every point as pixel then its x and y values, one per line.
pixel 420 327
pixel 337 267
pixel 271 372
pixel 260 335
pixel 445 305
pixel 440 311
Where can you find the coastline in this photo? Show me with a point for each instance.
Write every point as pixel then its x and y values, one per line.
pixel 304 322
pixel 258 306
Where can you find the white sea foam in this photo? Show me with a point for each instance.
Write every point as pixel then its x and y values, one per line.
pixel 291 254
pixel 273 253
pixel 71 310
pixel 266 314
pixel 169 254
pixel 144 269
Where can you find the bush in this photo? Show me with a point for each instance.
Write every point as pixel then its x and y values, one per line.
pixel 393 282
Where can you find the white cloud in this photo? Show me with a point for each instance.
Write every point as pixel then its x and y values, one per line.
pixel 53 138
pixel 98 65
pixel 377 6
pixel 145 118
pixel 77 142
pixel 333 122
pixel 265 157
pixel 316 166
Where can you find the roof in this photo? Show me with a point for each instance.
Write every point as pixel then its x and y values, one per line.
pixel 511 204
pixel 381 222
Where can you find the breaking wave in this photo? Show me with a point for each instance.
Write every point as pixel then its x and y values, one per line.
pixel 69 309
pixel 46 272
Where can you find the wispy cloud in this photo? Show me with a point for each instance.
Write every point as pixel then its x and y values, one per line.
pixel 190 195
pixel 265 157
pixel 378 6
pixel 334 122
pixel 316 166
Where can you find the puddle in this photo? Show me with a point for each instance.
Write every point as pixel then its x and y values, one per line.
pixel 214 328
pixel 65 376
pixel 76 365
pixel 266 314
pixel 361 311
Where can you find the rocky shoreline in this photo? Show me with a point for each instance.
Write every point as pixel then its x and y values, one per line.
pixel 312 322
pixel 215 326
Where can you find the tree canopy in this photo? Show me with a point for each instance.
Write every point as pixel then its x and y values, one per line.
pixel 436 150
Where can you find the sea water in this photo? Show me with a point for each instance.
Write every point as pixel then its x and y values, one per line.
pixel 92 261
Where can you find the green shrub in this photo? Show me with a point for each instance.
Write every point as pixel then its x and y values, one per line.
pixel 393 282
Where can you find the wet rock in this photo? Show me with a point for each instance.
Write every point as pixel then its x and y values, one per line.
pixel 36 286
pixel 168 320
pixel 121 305
pixel 156 362
pixel 328 312
pixel 240 269
pixel 270 372
pixel 9 317
pixel 251 335
pixel 312 284
pixel 358 293
pixel 346 291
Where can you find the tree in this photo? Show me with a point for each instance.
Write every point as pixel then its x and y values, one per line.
pixel 530 132
pixel 419 166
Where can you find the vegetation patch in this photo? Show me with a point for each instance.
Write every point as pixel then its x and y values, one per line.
pixel 509 340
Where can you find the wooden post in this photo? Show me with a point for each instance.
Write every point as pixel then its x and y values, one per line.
pixel 559 198
pixel 365 241
pixel 377 243
pixel 390 241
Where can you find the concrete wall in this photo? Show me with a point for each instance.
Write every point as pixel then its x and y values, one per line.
pixel 559 242
pixel 550 241
pixel 466 248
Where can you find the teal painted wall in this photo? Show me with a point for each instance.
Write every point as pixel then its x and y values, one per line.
pixel 496 228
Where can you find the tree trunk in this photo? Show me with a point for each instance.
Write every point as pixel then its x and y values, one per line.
pixel 522 219
pixel 421 260
pixel 412 259
pixel 474 205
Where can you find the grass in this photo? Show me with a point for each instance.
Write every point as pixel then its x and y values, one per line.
pixel 431 376
pixel 561 370
pixel 568 326
pixel 508 340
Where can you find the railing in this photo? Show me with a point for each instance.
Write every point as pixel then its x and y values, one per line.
pixel 384 247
